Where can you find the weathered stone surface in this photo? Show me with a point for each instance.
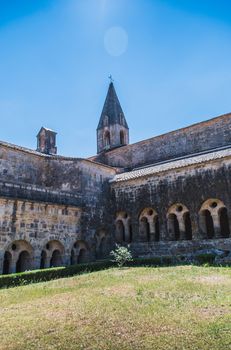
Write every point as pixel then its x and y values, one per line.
pixel 196 138
pixel 58 210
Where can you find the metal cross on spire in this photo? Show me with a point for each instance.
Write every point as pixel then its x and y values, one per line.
pixel 110 78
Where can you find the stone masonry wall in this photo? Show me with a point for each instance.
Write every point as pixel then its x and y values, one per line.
pixel 37 224
pixel 195 138
pixel 51 184
pixel 190 186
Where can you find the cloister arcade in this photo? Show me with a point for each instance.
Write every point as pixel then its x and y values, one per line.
pixel 212 222
pixel 149 225
pixel 123 228
pixel 102 239
pixel 20 256
pixel 79 253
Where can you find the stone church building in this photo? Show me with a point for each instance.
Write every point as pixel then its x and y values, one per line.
pixel 168 195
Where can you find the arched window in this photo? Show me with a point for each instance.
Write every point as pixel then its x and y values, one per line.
pixel 122 138
pixel 23 262
pixel 20 252
pixel 56 258
pixel 214 221
pixel 179 222
pixel 149 225
pixel 209 226
pixel 107 139
pixel 123 227
pixel 80 252
pixel 173 227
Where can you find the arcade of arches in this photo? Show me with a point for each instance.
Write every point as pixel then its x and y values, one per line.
pixel 20 256
pixel 212 218
pixel 213 223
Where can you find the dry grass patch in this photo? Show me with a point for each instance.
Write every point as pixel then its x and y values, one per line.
pixel 126 309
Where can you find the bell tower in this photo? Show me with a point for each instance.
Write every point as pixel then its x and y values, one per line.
pixel 112 130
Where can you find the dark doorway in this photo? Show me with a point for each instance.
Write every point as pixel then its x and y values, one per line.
pixel 24 262
pixel 43 259
pixel 145 228
pixel 7 263
pixel 82 257
pixel 224 223
pixel 56 259
pixel 209 224
pixel 157 229
pixel 174 227
pixel 188 226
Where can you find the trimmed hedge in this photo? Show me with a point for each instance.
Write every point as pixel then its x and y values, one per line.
pixel 207 258
pixel 33 276
pixel 23 278
pixel 19 279
pixel 155 261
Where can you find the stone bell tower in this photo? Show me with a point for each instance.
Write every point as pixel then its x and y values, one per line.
pixel 112 130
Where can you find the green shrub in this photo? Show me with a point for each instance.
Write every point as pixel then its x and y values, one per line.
pixel 121 255
pixel 206 258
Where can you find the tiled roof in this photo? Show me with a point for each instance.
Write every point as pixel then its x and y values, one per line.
pixel 173 164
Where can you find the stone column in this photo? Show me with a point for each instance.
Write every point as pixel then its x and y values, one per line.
pixel 36 261
pixel 216 223
pixel 181 228
pixel 13 264
pixel 196 235
pixel 163 226
pixel 152 230
pixel 127 232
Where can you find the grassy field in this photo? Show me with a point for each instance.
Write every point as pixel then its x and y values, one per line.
pixel 166 308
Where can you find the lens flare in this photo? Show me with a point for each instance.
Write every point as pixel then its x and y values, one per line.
pixel 116 41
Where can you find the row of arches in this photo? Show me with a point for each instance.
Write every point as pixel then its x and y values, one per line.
pixel 212 218
pixel 19 256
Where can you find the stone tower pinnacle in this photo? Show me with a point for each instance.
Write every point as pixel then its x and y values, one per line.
pixel 112 130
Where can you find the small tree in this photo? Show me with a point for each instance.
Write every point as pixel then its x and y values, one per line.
pixel 121 255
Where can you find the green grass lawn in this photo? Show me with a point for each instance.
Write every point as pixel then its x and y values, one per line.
pixel 185 307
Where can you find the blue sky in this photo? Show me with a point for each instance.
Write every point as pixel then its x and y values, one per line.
pixel 175 68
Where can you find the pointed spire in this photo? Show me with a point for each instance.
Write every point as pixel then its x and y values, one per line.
pixel 112 109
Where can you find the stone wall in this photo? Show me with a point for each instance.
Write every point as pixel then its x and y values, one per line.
pixel 172 194
pixel 51 199
pixel 195 138
pixel 31 226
